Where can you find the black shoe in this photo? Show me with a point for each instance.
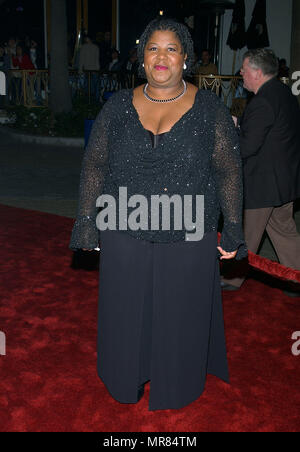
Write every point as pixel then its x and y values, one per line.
pixel 140 392
pixel 291 293
pixel 229 287
pixel 292 289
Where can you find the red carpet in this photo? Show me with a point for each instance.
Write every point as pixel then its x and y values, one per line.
pixel 48 375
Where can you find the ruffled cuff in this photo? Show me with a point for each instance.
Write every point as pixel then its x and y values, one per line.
pixel 85 233
pixel 232 239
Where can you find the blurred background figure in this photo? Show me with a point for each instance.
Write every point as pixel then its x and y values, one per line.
pixel 283 71
pixel 196 64
pixel 35 55
pixel 109 81
pixel 36 59
pixel 206 67
pixel 89 61
pixel 22 61
pixel 115 64
pixel 10 51
pixel 4 60
pixel 89 56
pixel 131 63
pixel 11 47
pixel 4 66
pixel 105 50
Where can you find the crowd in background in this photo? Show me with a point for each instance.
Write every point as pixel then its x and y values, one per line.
pixel 18 55
pixel 110 70
pixel 93 56
pixel 109 67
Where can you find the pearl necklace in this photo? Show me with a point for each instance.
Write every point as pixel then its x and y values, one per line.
pixel 164 100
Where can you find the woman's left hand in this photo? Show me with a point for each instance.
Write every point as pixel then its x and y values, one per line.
pixel 235 120
pixel 226 255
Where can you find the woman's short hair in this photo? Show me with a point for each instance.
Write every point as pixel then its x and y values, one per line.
pixel 264 59
pixel 167 24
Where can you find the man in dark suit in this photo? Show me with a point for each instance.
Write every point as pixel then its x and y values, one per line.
pixel 270 148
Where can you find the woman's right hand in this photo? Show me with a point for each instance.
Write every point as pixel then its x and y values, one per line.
pixel 235 120
pixel 92 249
pixel 227 255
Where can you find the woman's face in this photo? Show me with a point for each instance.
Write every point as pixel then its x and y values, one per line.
pixel 19 51
pixel 163 58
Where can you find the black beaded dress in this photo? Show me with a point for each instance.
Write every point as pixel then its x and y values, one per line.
pixel 160 315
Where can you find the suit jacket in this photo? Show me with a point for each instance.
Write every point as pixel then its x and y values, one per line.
pixel 270 147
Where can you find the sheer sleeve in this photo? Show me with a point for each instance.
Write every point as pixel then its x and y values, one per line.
pixel 227 171
pixel 85 233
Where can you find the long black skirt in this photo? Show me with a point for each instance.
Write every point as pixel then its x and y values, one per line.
pixel 160 318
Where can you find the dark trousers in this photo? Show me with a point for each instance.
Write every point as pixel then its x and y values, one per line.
pixel 281 228
pixel 160 318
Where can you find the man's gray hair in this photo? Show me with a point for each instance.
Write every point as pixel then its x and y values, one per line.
pixel 264 59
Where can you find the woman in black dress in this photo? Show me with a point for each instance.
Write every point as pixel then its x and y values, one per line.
pixel 160 312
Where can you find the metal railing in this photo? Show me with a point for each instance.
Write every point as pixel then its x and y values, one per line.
pixel 31 88
pixel 228 87
pixel 27 87
pixel 225 86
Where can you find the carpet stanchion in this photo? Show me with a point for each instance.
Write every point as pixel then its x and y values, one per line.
pixel 272 268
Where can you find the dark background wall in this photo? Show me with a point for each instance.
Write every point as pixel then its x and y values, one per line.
pixel 21 18
pixel 134 16
pixel 26 17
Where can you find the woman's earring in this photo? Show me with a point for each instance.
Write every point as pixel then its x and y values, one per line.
pixel 184 66
pixel 143 65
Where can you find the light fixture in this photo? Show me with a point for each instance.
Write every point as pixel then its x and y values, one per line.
pixel 161 13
